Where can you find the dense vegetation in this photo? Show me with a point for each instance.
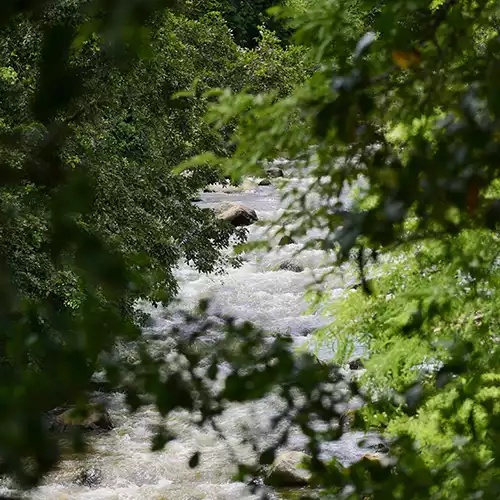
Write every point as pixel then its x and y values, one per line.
pixel 402 112
pixel 98 106
pixel 243 17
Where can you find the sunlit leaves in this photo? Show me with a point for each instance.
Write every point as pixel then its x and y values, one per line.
pixel 404 98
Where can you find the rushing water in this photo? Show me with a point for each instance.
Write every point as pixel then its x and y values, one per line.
pixel 257 291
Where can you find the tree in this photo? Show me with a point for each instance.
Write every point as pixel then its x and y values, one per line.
pixel 403 108
pixel 243 17
pixel 270 66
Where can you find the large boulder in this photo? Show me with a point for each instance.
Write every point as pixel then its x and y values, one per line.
pixel 372 457
pixel 237 214
pixel 92 418
pixel 88 477
pixel 287 471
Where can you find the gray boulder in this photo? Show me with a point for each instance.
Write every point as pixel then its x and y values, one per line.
pixel 288 265
pixel 237 214
pixel 88 477
pixel 265 182
pixel 274 172
pixel 356 364
pixel 287 470
pixel 93 418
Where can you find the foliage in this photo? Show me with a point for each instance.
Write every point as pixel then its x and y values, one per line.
pixel 243 17
pixel 271 67
pixel 404 109
pixel 429 301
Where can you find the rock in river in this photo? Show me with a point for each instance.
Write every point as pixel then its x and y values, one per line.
pixel 356 364
pixel 274 172
pixel 348 419
pixel 237 214
pixel 288 265
pixel 88 477
pixel 93 418
pixel 287 470
pixel 286 240
pixel 265 182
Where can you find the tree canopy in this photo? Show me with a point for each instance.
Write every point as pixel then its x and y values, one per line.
pixel 243 17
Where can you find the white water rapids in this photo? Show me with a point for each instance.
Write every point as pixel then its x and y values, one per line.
pixel 273 299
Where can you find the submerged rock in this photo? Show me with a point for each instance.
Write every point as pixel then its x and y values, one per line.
pixel 347 419
pixel 288 265
pixel 356 364
pixel 379 448
pixel 237 214
pixel 371 457
pixel 287 470
pixel 274 172
pixel 265 182
pixel 88 477
pixel 286 240
pixel 93 418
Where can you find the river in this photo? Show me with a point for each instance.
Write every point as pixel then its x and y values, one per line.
pixel 257 291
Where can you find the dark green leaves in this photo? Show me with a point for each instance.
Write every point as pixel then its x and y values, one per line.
pixel 92 218
pixel 58 82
